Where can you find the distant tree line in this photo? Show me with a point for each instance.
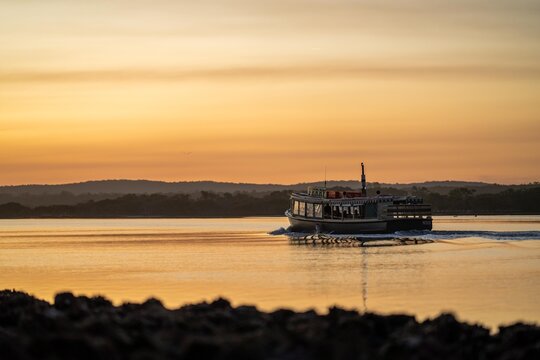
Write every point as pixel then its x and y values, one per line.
pixel 58 198
pixel 205 204
pixel 465 201
pixel 209 204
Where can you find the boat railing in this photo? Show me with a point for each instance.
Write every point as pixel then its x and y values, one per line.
pixel 408 210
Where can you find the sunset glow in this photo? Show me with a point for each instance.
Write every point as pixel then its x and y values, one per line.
pixel 269 91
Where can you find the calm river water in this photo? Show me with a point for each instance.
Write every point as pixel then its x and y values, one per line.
pixel 484 269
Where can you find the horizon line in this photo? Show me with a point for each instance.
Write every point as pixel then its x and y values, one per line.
pixel 263 184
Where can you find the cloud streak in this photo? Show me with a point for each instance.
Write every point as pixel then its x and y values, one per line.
pixel 268 73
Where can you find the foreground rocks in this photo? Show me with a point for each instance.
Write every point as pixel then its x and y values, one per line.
pixel 92 328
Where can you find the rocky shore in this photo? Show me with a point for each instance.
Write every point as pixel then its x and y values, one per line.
pixel 92 328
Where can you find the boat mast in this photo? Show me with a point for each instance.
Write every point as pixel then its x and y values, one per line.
pixel 364 192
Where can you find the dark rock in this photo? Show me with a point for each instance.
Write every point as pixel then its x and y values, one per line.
pixel 65 300
pixel 201 348
pixel 221 303
pixel 99 302
pixel 152 304
pixel 282 315
pixel 79 327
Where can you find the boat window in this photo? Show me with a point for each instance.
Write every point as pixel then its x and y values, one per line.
pixel 318 210
pixel 309 210
pixel 295 209
pixel 327 211
pixel 371 210
pixel 302 208
pixel 337 212
pixel 347 212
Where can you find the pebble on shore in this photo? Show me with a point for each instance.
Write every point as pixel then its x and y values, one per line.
pixel 79 327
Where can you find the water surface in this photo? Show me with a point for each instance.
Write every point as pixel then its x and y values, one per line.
pixel 485 269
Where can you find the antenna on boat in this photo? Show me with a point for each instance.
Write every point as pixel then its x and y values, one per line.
pixel 364 192
pixel 325 176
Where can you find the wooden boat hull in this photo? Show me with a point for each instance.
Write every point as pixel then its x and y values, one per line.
pixel 358 227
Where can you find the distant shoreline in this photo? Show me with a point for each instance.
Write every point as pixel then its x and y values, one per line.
pixel 458 201
pixel 234 216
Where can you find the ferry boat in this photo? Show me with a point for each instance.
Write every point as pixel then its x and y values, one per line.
pixel 353 212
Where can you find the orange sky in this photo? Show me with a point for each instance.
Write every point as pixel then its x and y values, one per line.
pixel 269 91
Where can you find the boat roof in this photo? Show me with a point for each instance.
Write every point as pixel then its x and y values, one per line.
pixel 353 200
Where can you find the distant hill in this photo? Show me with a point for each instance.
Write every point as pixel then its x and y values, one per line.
pixel 136 187
pixel 446 183
pixel 74 193
pixel 149 186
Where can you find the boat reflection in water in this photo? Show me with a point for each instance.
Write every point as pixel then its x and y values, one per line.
pixel 351 212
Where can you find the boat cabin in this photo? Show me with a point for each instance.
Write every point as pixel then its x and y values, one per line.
pixel 354 211
pixel 319 203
